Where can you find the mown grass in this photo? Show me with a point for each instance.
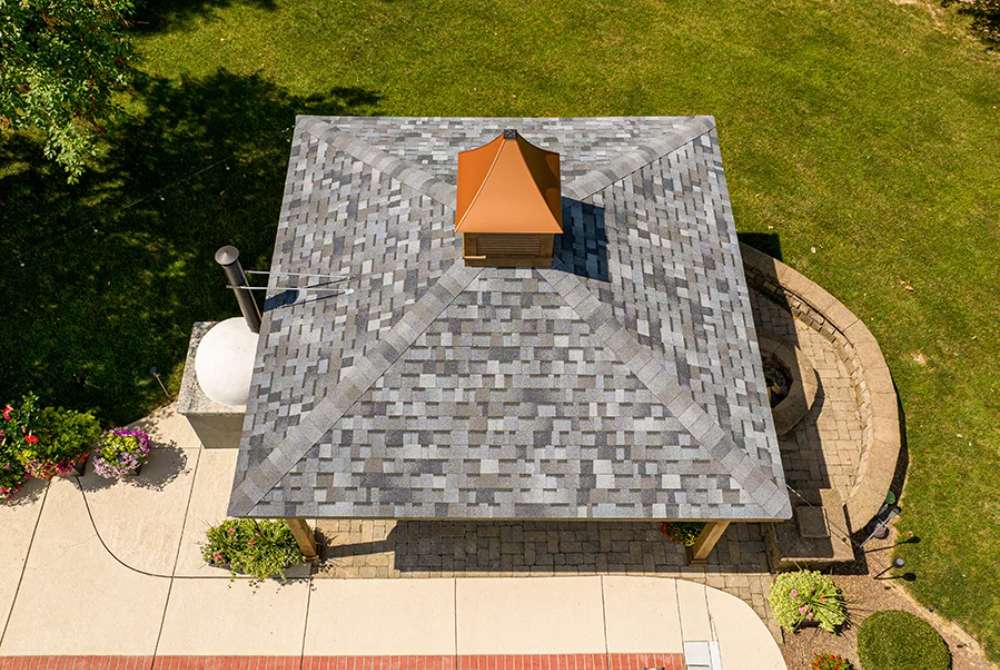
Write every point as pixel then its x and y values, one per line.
pixel 867 132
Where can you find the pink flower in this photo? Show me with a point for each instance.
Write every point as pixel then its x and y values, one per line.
pixel 795 593
pixel 802 609
pixel 217 557
pixel 31 439
pixel 6 412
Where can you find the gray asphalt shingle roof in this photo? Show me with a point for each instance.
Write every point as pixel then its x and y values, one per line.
pixel 625 382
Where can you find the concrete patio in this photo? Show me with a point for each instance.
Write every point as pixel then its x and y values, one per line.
pixel 63 594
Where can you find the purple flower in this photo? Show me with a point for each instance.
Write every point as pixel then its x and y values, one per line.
pixel 122 451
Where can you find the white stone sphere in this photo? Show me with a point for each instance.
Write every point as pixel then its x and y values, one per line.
pixel 224 361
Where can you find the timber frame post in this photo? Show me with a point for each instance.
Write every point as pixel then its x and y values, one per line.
pixel 305 537
pixel 707 538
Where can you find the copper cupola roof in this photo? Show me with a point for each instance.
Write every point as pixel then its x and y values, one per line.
pixel 508 186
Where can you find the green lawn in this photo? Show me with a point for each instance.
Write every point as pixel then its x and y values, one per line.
pixel 867 131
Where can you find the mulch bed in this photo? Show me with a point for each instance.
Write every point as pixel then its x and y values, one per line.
pixel 865 596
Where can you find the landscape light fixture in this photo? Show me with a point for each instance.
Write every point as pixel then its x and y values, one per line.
pixel 896 563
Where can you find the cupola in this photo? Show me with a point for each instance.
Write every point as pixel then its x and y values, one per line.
pixel 508 207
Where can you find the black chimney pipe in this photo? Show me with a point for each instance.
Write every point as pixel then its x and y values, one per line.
pixel 229 258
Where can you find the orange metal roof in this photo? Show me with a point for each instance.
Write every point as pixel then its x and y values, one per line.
pixel 508 185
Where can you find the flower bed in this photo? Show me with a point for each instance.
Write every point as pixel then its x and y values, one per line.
pixel 896 640
pixel 261 549
pixel 53 441
pixel 121 452
pixel 42 442
pixel 805 598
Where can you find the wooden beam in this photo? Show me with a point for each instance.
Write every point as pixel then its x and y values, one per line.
pixel 305 537
pixel 706 541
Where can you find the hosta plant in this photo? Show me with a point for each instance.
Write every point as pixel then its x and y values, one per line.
pixel 262 549
pixel 59 440
pixel 807 597
pixel 121 452
pixel 830 662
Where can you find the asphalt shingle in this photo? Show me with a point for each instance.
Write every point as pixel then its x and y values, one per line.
pixel 625 382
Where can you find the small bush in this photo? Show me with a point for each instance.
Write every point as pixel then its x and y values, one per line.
pixel 261 549
pixel 806 597
pixel 682 532
pixel 895 640
pixel 830 662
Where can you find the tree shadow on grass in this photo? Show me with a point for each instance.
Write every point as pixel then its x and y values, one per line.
pixel 102 280
pixel 984 18
pixel 153 16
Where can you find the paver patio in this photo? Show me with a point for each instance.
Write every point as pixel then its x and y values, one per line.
pixel 55 570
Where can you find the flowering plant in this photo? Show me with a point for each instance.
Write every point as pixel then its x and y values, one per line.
pixel 682 532
pixel 830 662
pixel 15 428
pixel 56 441
pixel 12 473
pixel 262 549
pixel 807 596
pixel 121 452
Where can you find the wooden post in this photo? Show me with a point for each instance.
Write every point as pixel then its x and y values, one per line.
pixel 705 543
pixel 305 537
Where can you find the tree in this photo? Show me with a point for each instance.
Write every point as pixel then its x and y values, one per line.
pixel 61 62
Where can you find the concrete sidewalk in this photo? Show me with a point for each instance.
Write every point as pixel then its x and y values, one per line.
pixel 63 593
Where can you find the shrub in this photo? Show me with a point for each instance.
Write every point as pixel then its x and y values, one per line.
pixel 56 441
pixel 261 549
pixel 682 532
pixel 807 597
pixel 121 451
pixel 830 662
pixel 895 640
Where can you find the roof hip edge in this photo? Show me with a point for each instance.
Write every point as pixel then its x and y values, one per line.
pixel 760 483
pixel 286 452
pixel 400 169
pixel 598 179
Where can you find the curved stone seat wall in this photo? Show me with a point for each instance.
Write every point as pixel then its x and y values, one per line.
pixel 870 377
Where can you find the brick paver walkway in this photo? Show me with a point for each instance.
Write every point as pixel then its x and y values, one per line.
pixel 824 449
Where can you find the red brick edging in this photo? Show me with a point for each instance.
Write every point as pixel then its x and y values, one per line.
pixel 470 662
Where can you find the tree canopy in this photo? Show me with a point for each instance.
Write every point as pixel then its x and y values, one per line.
pixel 62 62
